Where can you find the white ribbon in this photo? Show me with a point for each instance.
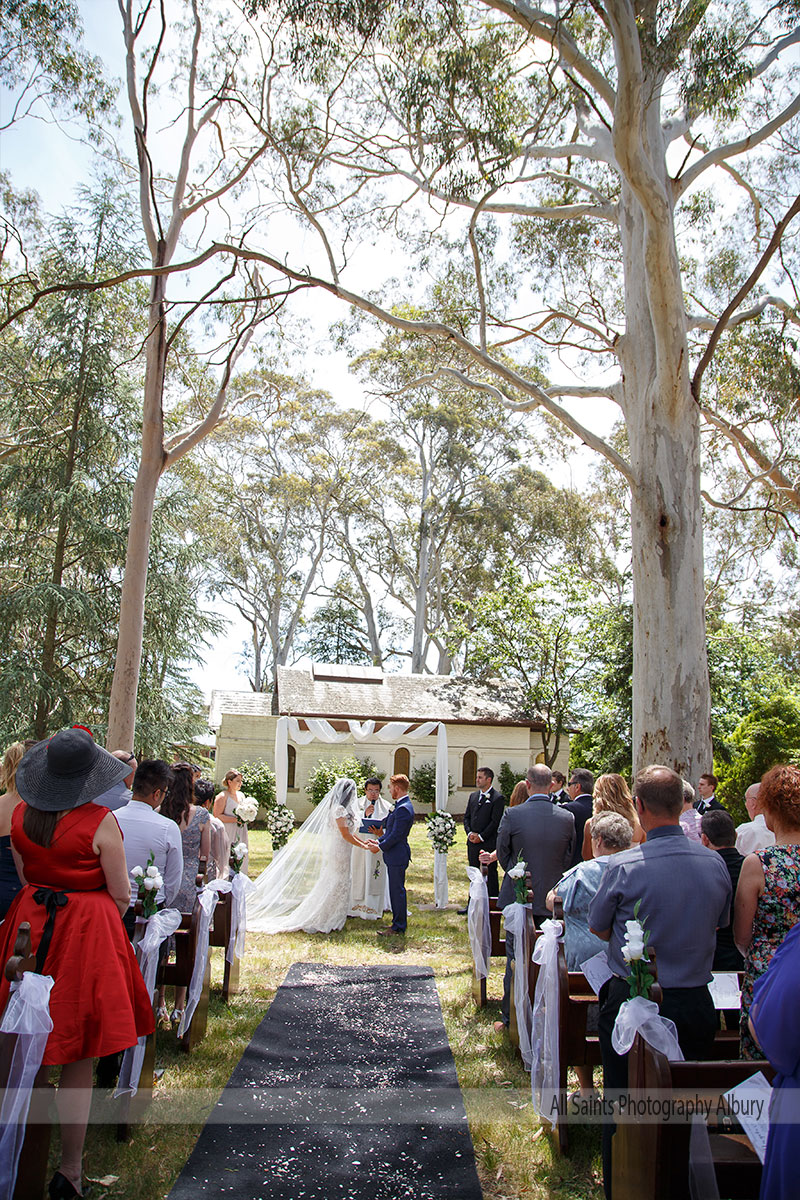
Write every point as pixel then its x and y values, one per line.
pixel 361 731
pixel 544 1023
pixel 208 902
pixel 640 1015
pixel 156 929
pixel 478 925
pixel 440 890
pixel 514 919
pixel 236 884
pixel 27 1017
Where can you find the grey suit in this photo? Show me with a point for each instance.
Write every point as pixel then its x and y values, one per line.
pixel 544 834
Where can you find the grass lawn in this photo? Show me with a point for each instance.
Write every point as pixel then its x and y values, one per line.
pixel 515 1157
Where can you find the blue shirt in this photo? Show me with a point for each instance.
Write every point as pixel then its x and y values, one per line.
pixel 577 889
pixel 685 890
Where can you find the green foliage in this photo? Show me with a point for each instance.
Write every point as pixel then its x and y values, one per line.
pixel 507 779
pixel 769 734
pixel 335 634
pixel 328 770
pixel 258 781
pixel 423 784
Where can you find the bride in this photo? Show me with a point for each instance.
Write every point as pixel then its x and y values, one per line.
pixel 307 884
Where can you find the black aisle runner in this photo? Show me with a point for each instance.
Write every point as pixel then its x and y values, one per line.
pixel 348 1089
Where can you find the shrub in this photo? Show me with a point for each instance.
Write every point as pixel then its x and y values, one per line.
pixel 769 734
pixel 423 784
pixel 258 781
pixel 328 770
pixel 507 779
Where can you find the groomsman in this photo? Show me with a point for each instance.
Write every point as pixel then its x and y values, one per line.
pixel 396 851
pixel 482 821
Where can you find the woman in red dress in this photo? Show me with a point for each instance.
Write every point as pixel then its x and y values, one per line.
pixel 71 856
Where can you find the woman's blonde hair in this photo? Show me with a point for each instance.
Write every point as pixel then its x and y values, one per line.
pixel 519 794
pixel 612 794
pixel 232 774
pixel 8 769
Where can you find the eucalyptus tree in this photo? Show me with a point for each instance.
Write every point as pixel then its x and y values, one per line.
pixel 571 144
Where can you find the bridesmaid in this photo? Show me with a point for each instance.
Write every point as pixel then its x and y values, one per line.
pixel 224 804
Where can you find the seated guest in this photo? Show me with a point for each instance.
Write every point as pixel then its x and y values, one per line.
pixel 659 875
pixel 147 832
pixel 753 834
pixel 690 817
pixel 768 895
pixel 611 794
pixel 204 792
pixel 610 832
pixel 775 1025
pixel 10 882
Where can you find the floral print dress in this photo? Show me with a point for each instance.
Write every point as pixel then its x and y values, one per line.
pixel 777 912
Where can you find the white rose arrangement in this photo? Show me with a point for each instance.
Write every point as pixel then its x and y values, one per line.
pixel 634 954
pixel 517 873
pixel 441 829
pixel 237 856
pixel 149 883
pixel 246 810
pixel 280 823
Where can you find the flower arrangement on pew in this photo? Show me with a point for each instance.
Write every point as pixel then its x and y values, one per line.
pixel 280 823
pixel 246 810
pixel 517 873
pixel 238 855
pixel 441 829
pixel 634 953
pixel 150 883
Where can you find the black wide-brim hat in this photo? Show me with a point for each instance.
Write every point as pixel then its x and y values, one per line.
pixel 67 770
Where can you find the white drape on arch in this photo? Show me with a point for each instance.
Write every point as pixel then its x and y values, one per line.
pixel 321 730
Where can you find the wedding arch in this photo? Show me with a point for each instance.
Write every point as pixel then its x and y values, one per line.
pixel 320 729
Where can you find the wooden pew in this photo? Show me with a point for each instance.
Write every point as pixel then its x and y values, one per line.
pixel 220 935
pixel 498 949
pixel 531 933
pixel 651 1161
pixel 32 1169
pixel 179 974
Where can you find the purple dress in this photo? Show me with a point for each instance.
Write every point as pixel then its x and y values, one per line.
pixel 776 1019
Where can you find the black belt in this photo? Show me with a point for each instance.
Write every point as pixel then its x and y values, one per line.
pixel 52 901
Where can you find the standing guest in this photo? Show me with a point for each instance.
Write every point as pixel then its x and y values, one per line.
pixel 543 833
pixel 775 1024
pixel 396 852
pixel 753 834
pixel 224 806
pixel 558 791
pixel 482 821
pixel 148 832
pixel 195 830
pixel 690 817
pixel 580 788
pixel 9 879
pixel 119 795
pixel 706 787
pixel 219 861
pixel 658 874
pixel 518 796
pixel 611 794
pixel 368 888
pixel 718 833
pixel 71 855
pixel 768 895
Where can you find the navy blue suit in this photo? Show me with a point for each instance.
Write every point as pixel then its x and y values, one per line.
pixel 397 856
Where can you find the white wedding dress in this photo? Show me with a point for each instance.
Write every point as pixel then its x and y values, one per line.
pixel 307 884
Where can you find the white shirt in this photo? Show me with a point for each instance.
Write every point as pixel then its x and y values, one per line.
pixel 754 835
pixel 144 832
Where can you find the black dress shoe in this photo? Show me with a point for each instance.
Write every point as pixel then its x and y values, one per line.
pixel 462 912
pixel 60 1188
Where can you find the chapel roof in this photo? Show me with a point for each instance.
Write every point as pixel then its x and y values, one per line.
pixel 366 693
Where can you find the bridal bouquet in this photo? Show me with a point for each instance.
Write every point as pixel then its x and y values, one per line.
pixel 246 810
pixel 149 882
pixel 238 854
pixel 441 829
pixel 280 823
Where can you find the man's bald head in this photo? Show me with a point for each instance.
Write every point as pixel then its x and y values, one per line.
pixel 751 800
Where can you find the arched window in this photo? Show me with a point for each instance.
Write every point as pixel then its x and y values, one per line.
pixel 292 767
pixel 469 766
pixel 402 761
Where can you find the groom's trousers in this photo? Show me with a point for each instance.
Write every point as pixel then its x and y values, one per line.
pixel 397 896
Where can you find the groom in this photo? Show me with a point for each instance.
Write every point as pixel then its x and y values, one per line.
pixel 396 853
